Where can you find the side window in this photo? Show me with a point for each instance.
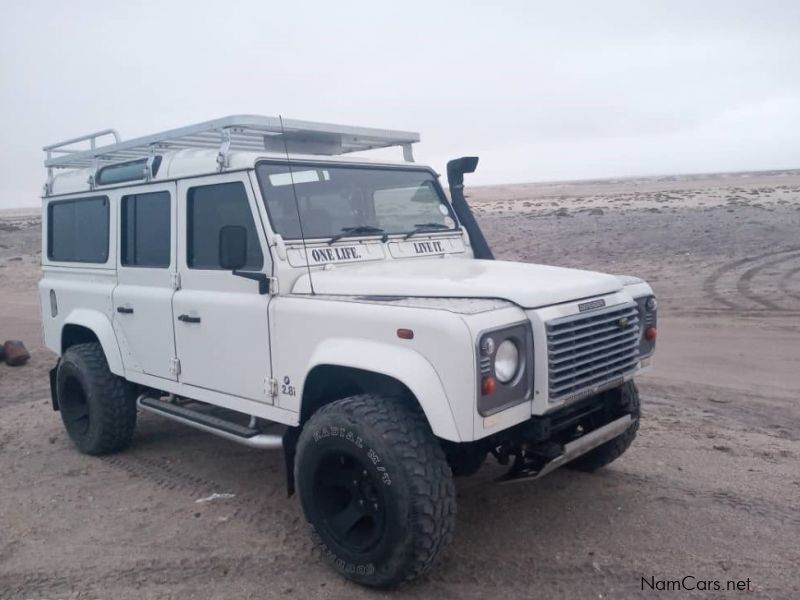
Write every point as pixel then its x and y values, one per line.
pixel 77 230
pixel 209 209
pixel 146 230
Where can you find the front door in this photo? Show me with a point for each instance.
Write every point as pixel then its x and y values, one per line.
pixel 143 295
pixel 221 328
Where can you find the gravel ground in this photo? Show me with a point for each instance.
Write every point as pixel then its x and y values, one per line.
pixel 710 488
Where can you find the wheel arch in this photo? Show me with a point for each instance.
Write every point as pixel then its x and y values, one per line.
pixel 87 326
pixel 341 368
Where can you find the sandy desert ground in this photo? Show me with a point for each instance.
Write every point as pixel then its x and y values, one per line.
pixel 711 488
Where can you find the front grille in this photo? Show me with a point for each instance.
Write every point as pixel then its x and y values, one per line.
pixel 589 350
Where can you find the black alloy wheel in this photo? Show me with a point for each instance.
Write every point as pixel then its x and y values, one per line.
pixel 348 503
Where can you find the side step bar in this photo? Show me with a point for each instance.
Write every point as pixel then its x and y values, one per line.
pixel 573 450
pixel 211 424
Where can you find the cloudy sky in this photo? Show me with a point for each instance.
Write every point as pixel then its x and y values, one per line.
pixel 539 90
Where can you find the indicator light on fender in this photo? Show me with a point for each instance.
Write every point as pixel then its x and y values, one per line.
pixel 488 386
pixel 650 334
pixel 405 334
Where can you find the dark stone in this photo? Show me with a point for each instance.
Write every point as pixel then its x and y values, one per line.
pixel 15 353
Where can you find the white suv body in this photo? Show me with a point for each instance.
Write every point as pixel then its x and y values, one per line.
pixel 129 261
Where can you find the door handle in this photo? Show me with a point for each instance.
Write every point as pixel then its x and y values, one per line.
pixel 188 319
pixel 125 310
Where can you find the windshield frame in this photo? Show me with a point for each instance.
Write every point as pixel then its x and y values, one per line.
pixel 296 165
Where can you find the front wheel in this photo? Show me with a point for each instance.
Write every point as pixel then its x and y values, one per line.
pixel 610 451
pixel 376 489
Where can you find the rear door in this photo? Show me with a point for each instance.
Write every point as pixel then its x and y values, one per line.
pixel 220 320
pixel 146 264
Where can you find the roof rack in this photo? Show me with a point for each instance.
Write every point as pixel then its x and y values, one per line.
pixel 237 132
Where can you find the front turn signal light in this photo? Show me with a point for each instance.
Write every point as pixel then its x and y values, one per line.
pixel 488 386
pixel 650 334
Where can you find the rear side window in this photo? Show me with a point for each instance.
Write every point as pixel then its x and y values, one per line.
pixel 146 230
pixel 210 208
pixel 77 230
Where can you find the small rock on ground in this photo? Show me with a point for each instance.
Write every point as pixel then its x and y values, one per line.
pixel 15 353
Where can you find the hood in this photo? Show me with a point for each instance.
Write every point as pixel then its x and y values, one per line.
pixel 527 285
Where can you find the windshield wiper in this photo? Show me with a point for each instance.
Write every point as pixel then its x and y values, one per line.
pixel 425 228
pixel 358 229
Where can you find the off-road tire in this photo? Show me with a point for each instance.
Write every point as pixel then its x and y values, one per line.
pixel 610 451
pixel 391 439
pixel 85 385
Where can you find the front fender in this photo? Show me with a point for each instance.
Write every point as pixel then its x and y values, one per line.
pixel 635 286
pixel 101 326
pixel 406 366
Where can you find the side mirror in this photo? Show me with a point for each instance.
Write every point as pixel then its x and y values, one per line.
pixel 232 247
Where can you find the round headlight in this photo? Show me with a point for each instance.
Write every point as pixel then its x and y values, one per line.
pixel 506 361
pixel 651 304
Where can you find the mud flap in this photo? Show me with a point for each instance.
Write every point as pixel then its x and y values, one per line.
pixel 290 437
pixel 53 393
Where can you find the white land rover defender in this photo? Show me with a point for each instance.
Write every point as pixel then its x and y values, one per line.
pixel 246 277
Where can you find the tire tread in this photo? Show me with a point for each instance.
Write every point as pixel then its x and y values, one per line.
pixel 115 406
pixel 433 501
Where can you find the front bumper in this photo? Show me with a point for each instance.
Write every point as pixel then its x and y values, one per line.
pixel 544 443
pixel 574 449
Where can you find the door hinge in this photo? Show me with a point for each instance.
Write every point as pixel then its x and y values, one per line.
pixel 175 280
pixel 175 366
pixel 271 387
pixel 272 283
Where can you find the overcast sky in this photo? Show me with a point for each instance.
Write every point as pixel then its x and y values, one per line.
pixel 539 90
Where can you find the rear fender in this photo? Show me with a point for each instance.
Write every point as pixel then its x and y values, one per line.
pixel 100 325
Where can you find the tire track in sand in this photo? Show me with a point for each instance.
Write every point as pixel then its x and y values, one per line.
pixel 783 284
pixel 745 283
pixel 137 574
pixel 678 492
pixel 732 301
pixel 256 506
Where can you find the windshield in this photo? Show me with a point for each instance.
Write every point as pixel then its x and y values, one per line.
pixel 340 201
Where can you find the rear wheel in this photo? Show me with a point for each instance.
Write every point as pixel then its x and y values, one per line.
pixel 97 407
pixel 375 488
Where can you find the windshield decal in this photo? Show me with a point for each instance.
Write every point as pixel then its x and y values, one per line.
pixel 432 247
pixel 411 248
pixel 323 255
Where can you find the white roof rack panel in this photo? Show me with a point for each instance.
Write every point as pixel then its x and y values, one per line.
pixel 253 133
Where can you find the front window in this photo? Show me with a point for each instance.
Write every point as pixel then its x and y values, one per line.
pixel 339 200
